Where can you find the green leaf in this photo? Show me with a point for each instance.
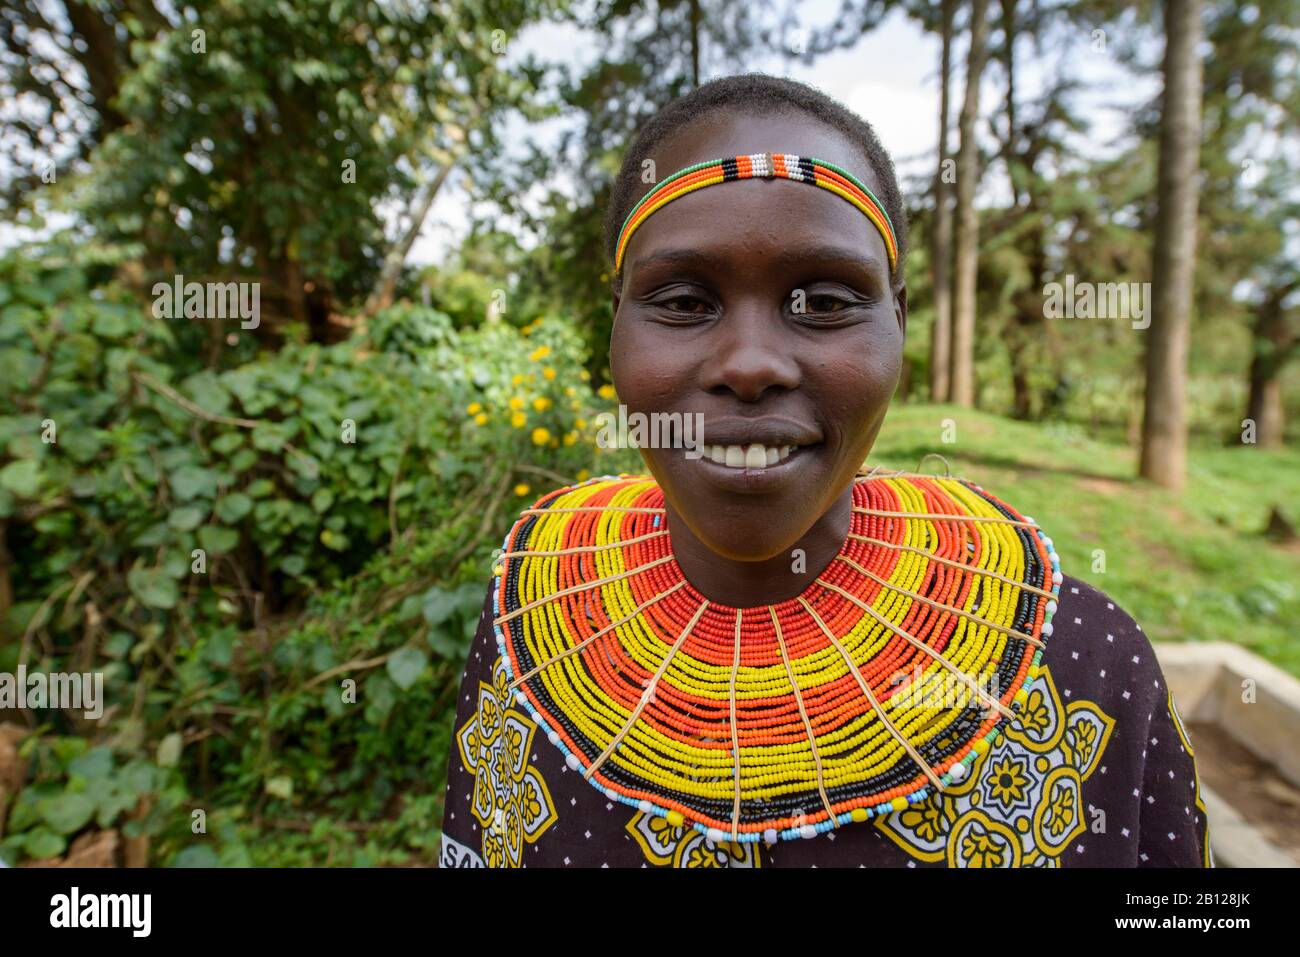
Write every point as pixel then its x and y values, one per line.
pixel 405 665
pixel 231 508
pixel 186 518
pixel 228 443
pixel 196 855
pixel 23 478
pixel 95 763
pixel 40 844
pixel 152 587
pixel 442 641
pixel 217 540
pixel 189 482
pixel 439 605
pixel 110 324
pixel 281 787
pixel 169 750
pixel 67 813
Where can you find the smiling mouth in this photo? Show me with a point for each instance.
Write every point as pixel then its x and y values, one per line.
pixel 753 457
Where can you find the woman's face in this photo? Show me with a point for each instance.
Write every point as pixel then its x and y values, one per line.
pixel 764 306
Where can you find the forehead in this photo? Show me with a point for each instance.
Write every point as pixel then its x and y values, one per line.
pixel 750 217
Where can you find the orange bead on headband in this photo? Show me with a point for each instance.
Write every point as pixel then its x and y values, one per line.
pixel 803 169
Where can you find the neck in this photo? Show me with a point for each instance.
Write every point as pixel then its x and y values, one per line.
pixel 745 584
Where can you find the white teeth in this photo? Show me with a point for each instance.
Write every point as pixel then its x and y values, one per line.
pixel 748 456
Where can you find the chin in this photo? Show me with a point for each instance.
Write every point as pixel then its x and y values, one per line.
pixel 743 517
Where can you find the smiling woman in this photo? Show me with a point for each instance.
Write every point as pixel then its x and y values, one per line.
pixel 763 640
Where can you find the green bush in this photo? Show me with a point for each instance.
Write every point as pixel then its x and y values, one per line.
pixel 214 542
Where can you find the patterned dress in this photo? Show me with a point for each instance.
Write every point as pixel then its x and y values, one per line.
pixel 1098 772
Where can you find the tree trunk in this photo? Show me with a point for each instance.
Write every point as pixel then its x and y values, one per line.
pixel 1027 302
pixel 967 219
pixel 382 296
pixel 6 581
pixel 1163 457
pixel 941 233
pixel 695 43
pixel 1274 341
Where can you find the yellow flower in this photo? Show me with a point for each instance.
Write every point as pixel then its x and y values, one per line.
pixel 541 403
pixel 516 403
pixel 583 475
pixel 570 438
pixel 518 419
pixel 584 375
pixel 521 489
pixel 481 419
pixel 581 423
pixel 541 436
pixel 540 353
pixel 549 373
pixel 570 391
pixel 516 379
pixel 605 391
pixel 473 408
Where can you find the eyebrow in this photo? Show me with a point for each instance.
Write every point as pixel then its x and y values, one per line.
pixel 791 255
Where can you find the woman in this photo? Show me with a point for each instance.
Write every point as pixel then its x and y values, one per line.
pixel 759 654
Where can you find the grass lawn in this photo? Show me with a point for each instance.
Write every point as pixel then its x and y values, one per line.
pixel 1190 567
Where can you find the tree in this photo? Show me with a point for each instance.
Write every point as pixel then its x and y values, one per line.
pixel 941 231
pixel 966 254
pixel 263 141
pixel 1276 338
pixel 1164 425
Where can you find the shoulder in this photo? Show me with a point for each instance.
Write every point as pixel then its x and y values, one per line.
pixel 1097 650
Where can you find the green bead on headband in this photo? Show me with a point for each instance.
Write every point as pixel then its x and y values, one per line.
pixel 803 169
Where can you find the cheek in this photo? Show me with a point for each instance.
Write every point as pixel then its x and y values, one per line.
pixel 858 384
pixel 647 373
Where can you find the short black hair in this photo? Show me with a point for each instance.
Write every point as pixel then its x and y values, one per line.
pixel 757 92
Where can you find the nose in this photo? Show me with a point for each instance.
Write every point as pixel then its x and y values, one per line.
pixel 753 353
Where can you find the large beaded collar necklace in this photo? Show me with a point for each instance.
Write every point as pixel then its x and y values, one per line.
pixel 900 664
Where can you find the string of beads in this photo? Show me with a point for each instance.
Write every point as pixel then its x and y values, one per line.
pixel 884 680
pixel 801 169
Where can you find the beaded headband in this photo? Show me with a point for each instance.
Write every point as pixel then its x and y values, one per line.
pixel 803 169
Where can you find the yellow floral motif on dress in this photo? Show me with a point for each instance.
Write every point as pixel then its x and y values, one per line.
pixel 511 802
pixel 1207 858
pixel 666 845
pixel 1022 803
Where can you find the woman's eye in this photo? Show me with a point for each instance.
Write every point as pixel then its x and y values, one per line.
pixel 827 303
pixel 687 305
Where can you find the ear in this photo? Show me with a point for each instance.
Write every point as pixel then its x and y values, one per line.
pixel 900 307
